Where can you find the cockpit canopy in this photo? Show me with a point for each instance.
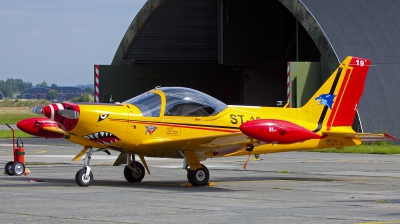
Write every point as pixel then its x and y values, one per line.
pixel 180 101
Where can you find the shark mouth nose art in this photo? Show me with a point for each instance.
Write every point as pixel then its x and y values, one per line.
pixel 103 138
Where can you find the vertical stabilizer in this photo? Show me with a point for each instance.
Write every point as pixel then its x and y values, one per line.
pixel 336 102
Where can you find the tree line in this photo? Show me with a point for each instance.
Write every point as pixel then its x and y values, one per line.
pixel 11 86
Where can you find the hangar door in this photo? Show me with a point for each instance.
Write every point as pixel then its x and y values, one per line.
pixel 122 82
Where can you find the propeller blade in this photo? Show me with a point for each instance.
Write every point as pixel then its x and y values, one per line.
pixel 70 114
pixel 37 109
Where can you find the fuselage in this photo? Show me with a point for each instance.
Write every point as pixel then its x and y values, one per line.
pixel 124 126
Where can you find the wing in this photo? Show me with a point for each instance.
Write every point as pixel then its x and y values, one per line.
pixel 204 147
pixel 55 129
pixel 365 137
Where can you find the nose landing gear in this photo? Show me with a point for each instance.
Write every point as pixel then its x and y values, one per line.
pixel 84 176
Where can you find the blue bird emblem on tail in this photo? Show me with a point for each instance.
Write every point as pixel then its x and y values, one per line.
pixel 326 100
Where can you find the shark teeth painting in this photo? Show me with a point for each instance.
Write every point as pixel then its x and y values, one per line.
pixel 102 137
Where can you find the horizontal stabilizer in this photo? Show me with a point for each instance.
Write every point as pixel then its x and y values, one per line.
pixel 365 137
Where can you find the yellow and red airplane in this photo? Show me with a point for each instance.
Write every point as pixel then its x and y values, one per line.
pixel 177 122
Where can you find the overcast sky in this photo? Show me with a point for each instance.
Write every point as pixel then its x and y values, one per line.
pixel 60 41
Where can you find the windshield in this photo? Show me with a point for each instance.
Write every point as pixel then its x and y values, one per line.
pixel 148 103
pixel 188 102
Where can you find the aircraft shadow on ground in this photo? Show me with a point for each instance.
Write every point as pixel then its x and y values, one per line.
pixel 167 185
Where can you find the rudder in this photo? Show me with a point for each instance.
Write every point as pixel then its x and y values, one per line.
pixel 336 102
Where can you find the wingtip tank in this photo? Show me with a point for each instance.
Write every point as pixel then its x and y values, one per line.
pixel 35 126
pixel 277 131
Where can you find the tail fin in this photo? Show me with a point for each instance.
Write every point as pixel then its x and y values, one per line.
pixel 336 102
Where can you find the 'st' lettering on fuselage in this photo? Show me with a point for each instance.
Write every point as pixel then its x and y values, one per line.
pixel 238 118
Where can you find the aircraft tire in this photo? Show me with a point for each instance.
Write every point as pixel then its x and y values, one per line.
pixel 81 180
pixel 199 177
pixel 18 168
pixel 190 176
pixel 8 168
pixel 135 175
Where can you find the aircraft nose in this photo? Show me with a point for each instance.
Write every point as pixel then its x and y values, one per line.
pixel 65 114
pixel 50 111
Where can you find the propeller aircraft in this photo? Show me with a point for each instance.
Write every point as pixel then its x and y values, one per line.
pixel 177 122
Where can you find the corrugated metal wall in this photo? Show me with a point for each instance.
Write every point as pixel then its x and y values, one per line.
pixel 180 31
pixel 370 29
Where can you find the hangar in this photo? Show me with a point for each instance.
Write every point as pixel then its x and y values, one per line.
pixel 237 51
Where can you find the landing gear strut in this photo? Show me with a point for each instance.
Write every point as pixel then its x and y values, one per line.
pixel 198 177
pixel 84 176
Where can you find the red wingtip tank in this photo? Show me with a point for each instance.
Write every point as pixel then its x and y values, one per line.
pixel 277 131
pixel 34 126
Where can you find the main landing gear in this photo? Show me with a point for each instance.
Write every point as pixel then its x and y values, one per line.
pixel 197 174
pixel 198 177
pixel 134 171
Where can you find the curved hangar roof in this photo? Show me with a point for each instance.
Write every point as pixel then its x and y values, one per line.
pixel 363 28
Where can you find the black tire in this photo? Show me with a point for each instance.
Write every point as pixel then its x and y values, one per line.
pixel 190 175
pixel 8 168
pixel 81 180
pixel 135 175
pixel 18 168
pixel 199 177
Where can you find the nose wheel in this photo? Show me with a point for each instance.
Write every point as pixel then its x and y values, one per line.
pixel 82 179
pixel 84 176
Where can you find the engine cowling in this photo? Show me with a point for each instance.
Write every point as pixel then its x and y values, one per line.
pixel 66 114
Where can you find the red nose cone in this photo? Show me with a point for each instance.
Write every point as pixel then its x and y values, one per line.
pixel 277 131
pixel 34 126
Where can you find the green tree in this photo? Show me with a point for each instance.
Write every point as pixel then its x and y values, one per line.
pixel 53 85
pixel 13 84
pixel 51 95
pixel 6 89
pixel 22 85
pixel 84 98
pixel 88 90
pixel 43 84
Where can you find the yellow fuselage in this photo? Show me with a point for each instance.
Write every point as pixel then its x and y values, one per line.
pixel 127 123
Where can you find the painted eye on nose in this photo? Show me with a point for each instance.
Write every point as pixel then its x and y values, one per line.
pixel 102 117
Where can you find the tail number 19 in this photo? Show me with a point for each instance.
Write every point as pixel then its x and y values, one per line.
pixel 360 62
